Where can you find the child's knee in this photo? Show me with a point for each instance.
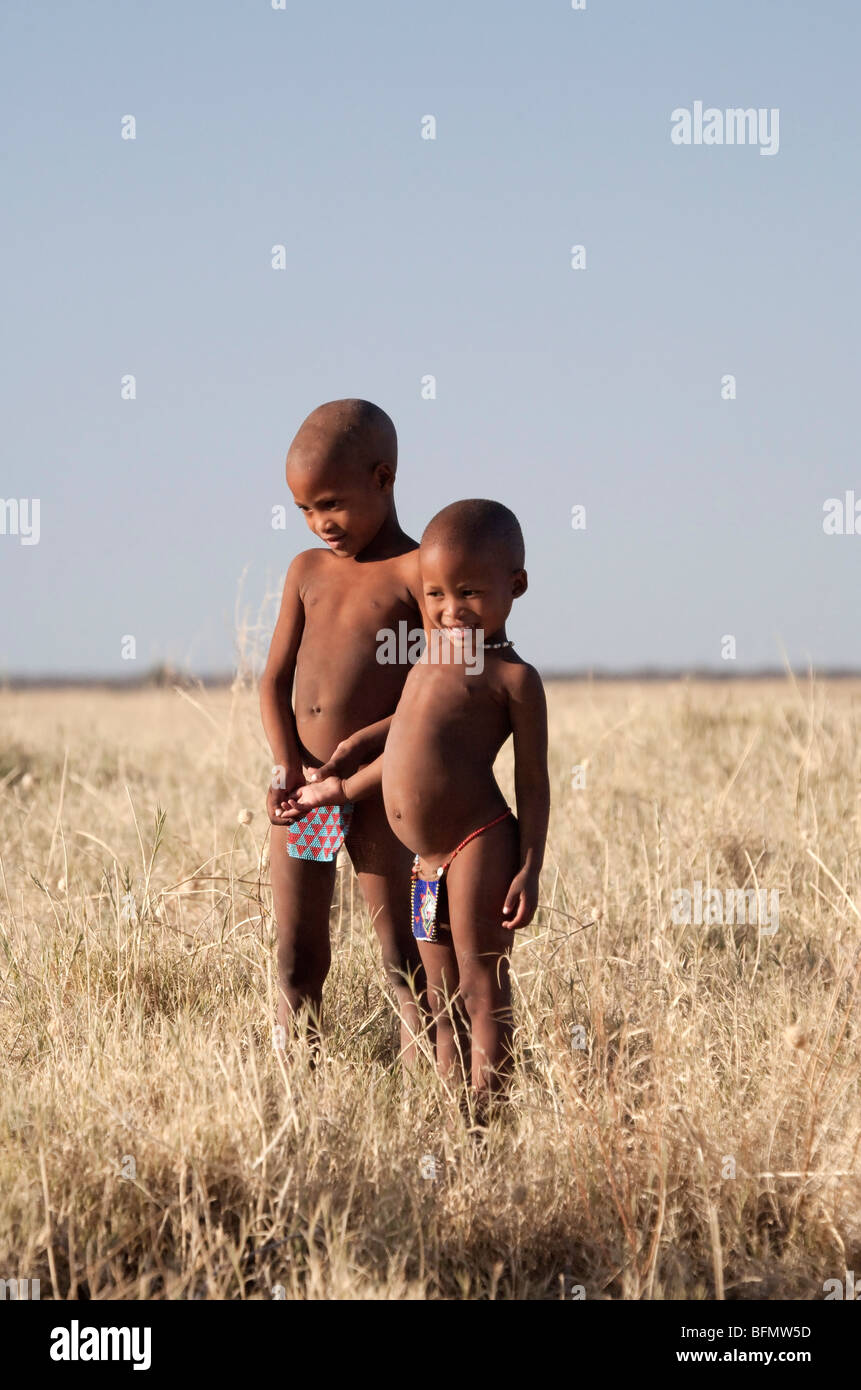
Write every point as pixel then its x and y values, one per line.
pixel 484 1001
pixel 401 960
pixel 301 971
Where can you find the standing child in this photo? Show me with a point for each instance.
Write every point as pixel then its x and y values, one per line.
pixel 475 874
pixel 341 472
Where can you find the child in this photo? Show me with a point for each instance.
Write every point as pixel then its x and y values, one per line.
pixel 341 472
pixel 475 876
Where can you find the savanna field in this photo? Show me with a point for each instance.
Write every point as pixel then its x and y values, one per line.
pixel 685 1118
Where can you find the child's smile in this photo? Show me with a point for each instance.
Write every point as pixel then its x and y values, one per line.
pixel 466 593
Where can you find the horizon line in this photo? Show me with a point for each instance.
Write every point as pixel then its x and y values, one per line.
pixel 164 677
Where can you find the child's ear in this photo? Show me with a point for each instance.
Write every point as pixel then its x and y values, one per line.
pixel 519 584
pixel 384 476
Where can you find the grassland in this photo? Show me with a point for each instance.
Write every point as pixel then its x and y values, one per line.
pixel 685 1119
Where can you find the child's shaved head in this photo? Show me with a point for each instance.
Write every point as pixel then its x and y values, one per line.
pixel 477 524
pixel 341 472
pixel 349 431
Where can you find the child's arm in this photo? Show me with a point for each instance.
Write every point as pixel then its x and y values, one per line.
pixel 365 745
pixel 528 708
pixel 354 752
pixel 276 692
pixel 334 791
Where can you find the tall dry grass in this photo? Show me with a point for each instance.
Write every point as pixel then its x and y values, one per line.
pixel 155 1146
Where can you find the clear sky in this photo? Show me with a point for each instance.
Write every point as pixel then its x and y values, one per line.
pixel 408 257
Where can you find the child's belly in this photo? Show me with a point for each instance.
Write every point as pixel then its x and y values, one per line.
pixel 340 688
pixel 438 783
pixel 330 705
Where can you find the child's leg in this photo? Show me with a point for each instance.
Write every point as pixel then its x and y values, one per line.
pixel 450 1025
pixel 477 884
pixel 302 895
pixel 383 866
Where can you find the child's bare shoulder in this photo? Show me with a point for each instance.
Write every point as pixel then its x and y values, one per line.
pixel 409 571
pixel 522 681
pixel 307 560
pixel 398 575
pixel 305 566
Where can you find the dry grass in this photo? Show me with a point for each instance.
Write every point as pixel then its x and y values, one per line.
pixel 137 999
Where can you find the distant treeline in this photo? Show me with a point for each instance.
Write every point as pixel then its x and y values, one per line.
pixel 166 677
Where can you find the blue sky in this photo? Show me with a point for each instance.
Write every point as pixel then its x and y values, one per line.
pixel 451 257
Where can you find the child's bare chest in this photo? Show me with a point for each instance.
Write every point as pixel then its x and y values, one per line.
pixel 450 702
pixel 356 603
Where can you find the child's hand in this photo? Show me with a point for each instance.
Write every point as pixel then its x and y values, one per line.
pixel 521 900
pixel 336 766
pixel 328 792
pixel 278 798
